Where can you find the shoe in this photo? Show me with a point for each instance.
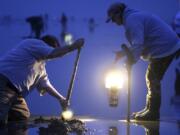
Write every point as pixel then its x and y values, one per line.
pixel 143 110
pixel 153 112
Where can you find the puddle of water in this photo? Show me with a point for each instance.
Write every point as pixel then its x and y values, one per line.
pixel 106 127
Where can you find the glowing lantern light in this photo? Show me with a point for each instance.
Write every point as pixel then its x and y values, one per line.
pixel 114 81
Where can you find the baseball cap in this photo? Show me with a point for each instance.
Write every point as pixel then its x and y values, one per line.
pixel 114 9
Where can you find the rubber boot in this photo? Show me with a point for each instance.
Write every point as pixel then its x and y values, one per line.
pixel 143 110
pixel 153 112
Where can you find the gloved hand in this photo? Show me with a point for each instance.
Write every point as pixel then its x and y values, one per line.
pixel 130 62
pixel 118 55
pixel 79 43
pixel 130 58
pixel 64 103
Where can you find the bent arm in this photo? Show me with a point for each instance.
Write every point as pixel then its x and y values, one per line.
pixel 60 51
pixel 53 92
pixel 44 85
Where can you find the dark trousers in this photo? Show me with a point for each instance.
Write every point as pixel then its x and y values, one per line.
pixel 13 107
pixel 155 72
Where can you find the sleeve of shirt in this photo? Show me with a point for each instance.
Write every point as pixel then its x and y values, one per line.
pixel 39 49
pixel 135 36
pixel 43 84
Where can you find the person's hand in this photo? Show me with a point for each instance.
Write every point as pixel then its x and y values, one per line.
pixel 79 43
pixel 118 55
pixel 130 62
pixel 64 103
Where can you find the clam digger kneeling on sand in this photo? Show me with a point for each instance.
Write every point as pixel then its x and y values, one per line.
pixel 23 69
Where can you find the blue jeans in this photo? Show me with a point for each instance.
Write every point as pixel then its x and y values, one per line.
pixel 13 107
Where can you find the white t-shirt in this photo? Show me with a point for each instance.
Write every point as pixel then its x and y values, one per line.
pixel 24 66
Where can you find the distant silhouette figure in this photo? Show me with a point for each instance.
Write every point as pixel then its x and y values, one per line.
pixel 45 21
pixel 37 26
pixel 63 22
pixel 91 25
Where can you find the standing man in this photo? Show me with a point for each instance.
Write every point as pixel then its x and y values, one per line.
pixel 23 69
pixel 154 41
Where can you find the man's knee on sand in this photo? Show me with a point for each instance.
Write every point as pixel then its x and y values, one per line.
pixel 16 110
pixel 19 110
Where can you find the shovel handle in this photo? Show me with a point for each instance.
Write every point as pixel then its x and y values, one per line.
pixel 73 76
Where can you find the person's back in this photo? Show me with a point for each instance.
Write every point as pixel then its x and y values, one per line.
pixel 23 65
pixel 157 38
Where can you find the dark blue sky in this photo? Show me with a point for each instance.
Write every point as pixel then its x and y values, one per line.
pixel 89 96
